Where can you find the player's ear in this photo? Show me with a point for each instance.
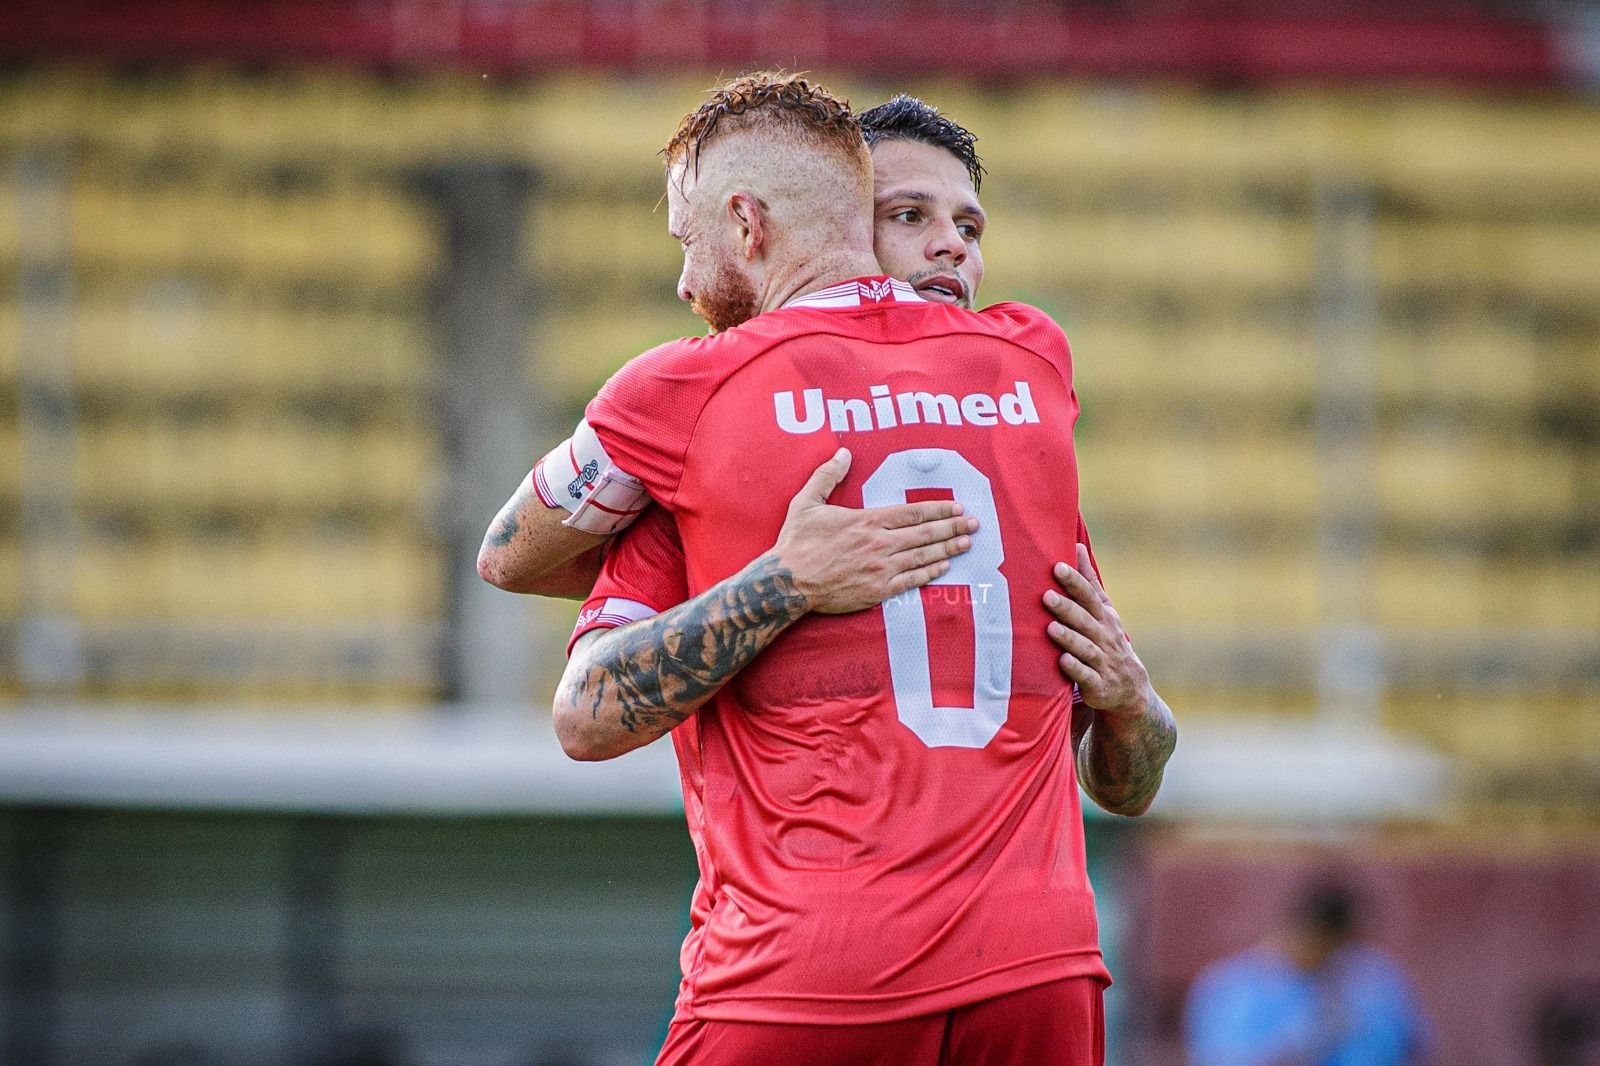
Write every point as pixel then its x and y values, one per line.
pixel 749 217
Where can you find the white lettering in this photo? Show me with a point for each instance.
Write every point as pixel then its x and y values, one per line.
pixel 979 409
pixel 855 415
pixel 883 406
pixel 1017 408
pixel 784 403
pixel 842 413
pixel 925 407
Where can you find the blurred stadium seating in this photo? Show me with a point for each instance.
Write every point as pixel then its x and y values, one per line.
pixel 257 439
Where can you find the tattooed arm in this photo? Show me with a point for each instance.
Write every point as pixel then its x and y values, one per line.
pixel 625 687
pixel 1124 733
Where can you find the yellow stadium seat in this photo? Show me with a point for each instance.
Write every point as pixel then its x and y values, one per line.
pixel 602 245
pixel 187 342
pixel 1185 480
pixel 1445 479
pixel 1191 253
pixel 575 349
pixel 10 344
pixel 251 466
pixel 1464 152
pixel 373 237
pixel 10 461
pixel 1479 360
pixel 1214 591
pixel 373 579
pixel 1452 591
pixel 1209 361
pixel 11 578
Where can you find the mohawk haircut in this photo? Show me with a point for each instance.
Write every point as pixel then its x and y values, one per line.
pixel 905 118
pixel 769 100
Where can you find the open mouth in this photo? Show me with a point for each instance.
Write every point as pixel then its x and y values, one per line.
pixel 942 288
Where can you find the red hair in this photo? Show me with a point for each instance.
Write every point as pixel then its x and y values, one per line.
pixel 772 101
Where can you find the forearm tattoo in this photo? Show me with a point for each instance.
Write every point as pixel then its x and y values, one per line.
pixel 653 674
pixel 1121 765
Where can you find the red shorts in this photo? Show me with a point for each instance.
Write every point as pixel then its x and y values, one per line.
pixel 1057 1024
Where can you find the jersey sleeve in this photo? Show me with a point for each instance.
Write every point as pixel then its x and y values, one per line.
pixel 1033 329
pixel 1083 538
pixel 646 414
pixel 643 575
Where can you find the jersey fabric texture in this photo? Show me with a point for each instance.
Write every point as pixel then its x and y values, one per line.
pixel 883 804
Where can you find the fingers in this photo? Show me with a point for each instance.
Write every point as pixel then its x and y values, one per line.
pixel 1071 613
pixel 932 532
pixel 1082 592
pixel 1077 645
pixel 1086 568
pixel 1079 674
pixel 900 515
pixel 929 554
pixel 918 577
pixel 820 485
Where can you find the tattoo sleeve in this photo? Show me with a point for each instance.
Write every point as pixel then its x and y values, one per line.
pixel 1121 760
pixel 637 682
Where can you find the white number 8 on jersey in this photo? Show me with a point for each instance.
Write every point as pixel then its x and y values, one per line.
pixel 979 570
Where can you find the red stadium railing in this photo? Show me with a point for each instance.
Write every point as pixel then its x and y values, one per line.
pixel 1212 42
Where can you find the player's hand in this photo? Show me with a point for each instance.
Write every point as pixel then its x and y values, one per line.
pixel 846 559
pixel 1096 653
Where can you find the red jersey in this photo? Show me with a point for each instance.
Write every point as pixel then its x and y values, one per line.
pixel 884 804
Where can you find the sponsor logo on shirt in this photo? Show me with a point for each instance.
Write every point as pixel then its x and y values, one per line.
pixel 584 480
pixel 883 411
pixel 875 291
pixel 585 617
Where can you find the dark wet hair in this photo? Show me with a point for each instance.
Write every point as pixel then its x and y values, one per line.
pixel 905 118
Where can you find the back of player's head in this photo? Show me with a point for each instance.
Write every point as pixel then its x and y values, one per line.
pixel 793 143
pixel 905 118
pixel 776 105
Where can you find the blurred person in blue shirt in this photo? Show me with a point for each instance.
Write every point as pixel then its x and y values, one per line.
pixel 1310 995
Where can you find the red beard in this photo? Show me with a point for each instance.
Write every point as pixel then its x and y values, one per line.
pixel 727 301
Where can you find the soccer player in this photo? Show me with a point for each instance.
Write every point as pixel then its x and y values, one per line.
pixel 884 802
pixel 928 224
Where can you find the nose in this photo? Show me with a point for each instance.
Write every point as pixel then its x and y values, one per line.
pixel 946 240
pixel 684 292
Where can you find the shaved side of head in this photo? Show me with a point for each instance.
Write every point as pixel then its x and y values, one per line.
pixel 793 145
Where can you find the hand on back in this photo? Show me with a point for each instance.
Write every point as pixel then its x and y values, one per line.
pixel 845 559
pixel 1096 653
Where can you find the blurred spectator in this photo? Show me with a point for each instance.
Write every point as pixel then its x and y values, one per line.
pixel 1311 994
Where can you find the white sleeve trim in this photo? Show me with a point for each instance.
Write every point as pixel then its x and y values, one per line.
pixel 579 477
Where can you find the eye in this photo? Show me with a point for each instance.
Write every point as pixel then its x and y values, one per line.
pixel 909 215
pixel 971 231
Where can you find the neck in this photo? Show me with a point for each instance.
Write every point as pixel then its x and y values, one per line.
pixel 817 272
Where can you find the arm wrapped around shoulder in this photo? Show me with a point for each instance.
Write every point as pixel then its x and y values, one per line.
pixel 579 477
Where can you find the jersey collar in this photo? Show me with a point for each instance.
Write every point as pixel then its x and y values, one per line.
pixel 860 291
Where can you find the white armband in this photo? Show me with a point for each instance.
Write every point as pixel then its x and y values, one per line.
pixel 579 477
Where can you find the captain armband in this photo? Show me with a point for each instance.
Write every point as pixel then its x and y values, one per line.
pixel 578 477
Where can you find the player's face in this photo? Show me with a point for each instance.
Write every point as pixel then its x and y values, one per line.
pixel 711 280
pixel 926 221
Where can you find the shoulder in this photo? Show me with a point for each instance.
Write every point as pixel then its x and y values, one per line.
pixel 1024 322
pixel 665 362
pixel 701 363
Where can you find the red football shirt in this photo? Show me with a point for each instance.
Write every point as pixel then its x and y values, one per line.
pixel 884 804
